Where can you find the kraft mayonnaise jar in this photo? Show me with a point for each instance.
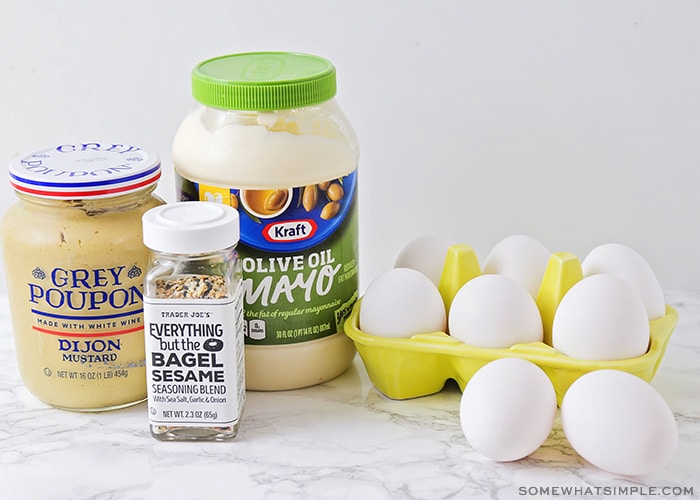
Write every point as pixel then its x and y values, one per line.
pixel 74 263
pixel 267 137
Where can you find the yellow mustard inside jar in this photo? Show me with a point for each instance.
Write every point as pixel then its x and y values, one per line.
pixel 74 264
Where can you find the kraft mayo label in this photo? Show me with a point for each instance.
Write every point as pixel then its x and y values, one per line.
pixel 299 256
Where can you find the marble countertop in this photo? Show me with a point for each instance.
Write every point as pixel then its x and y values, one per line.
pixel 342 439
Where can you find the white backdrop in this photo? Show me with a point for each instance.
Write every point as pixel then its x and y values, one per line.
pixel 575 122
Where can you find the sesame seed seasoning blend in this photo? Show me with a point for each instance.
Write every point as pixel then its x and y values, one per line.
pixel 193 315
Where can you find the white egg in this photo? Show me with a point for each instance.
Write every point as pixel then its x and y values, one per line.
pixel 426 254
pixel 400 303
pixel 494 311
pixel 626 263
pixel 601 318
pixel 507 409
pixel 619 423
pixel 521 258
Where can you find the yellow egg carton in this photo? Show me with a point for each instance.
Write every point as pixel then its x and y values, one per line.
pixel 403 368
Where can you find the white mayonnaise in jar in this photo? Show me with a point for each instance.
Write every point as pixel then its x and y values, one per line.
pixel 268 137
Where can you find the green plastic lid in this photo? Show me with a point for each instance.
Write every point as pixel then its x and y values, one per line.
pixel 263 81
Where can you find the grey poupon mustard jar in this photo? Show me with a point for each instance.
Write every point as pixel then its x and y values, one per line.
pixel 74 263
pixel 267 137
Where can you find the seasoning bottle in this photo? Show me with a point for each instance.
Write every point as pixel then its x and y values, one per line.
pixel 74 263
pixel 193 321
pixel 267 137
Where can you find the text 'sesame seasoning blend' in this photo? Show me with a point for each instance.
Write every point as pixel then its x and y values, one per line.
pixel 193 314
pixel 268 137
pixel 74 263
